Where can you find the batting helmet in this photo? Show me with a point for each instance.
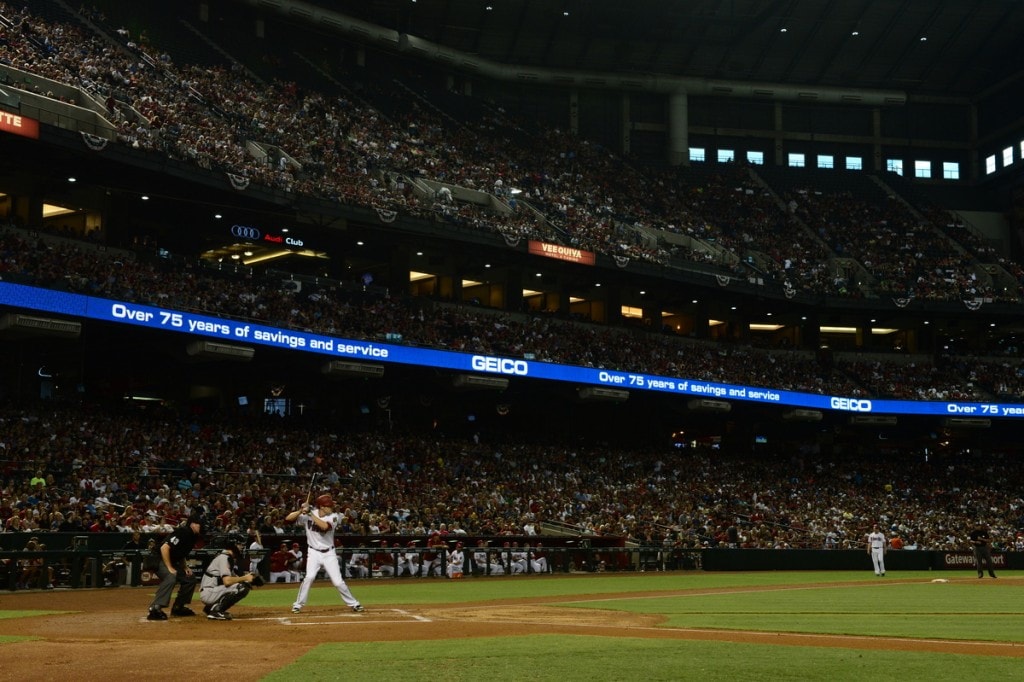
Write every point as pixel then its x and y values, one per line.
pixel 325 500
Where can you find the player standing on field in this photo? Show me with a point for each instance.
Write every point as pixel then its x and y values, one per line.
pixel 876 548
pixel 320 525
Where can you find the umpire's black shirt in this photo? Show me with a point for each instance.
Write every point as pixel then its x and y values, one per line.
pixel 181 542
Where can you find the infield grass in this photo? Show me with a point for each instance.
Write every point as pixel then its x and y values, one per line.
pixel 909 605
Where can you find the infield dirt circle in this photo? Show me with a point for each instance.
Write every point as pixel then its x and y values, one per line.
pixel 105 630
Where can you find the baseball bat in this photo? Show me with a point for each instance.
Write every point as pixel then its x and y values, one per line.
pixel 310 493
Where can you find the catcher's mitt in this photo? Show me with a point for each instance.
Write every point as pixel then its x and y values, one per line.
pixel 257 580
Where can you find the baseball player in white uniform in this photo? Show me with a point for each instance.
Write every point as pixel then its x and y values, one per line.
pixel 456 562
pixel 876 548
pixel 320 525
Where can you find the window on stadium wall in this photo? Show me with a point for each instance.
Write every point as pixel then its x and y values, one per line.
pixel 854 163
pixel 951 170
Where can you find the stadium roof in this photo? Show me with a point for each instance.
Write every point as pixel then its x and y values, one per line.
pixel 937 48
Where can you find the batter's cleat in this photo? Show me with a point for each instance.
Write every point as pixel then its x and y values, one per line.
pixel 182 611
pixel 156 614
pixel 358 608
pixel 296 609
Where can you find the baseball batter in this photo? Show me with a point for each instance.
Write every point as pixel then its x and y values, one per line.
pixel 876 548
pixel 320 525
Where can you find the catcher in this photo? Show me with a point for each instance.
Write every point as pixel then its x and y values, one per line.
pixel 222 587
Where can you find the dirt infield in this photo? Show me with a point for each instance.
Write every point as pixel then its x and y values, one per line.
pixel 106 631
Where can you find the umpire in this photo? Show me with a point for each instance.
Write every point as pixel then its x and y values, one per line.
pixel 981 540
pixel 173 569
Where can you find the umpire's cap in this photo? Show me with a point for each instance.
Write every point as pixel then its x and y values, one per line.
pixel 325 500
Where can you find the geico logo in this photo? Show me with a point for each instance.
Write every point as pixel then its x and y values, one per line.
pixel 500 365
pixel 850 404
pixel 293 242
pixel 245 232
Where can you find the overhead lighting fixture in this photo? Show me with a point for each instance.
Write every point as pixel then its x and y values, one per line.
pixel 72 179
pixel 271 255
pixel 50 210
pixel 530 292
pixel 466 283
pixel 756 327
pixel 145 197
pixel 418 276
pixel 853 330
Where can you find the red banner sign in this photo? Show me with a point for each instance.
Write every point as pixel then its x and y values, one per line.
pixel 569 253
pixel 19 125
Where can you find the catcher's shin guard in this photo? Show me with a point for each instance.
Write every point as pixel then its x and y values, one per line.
pixel 232 598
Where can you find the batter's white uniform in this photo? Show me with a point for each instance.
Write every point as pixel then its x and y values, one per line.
pixel 876 545
pixel 320 555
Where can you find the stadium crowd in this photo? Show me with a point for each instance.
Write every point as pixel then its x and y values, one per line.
pixel 87 468
pixel 550 184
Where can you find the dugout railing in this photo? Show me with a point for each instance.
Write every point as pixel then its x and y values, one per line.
pixel 76 567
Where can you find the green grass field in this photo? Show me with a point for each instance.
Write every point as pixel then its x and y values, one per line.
pixel 907 606
pixel 984 614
